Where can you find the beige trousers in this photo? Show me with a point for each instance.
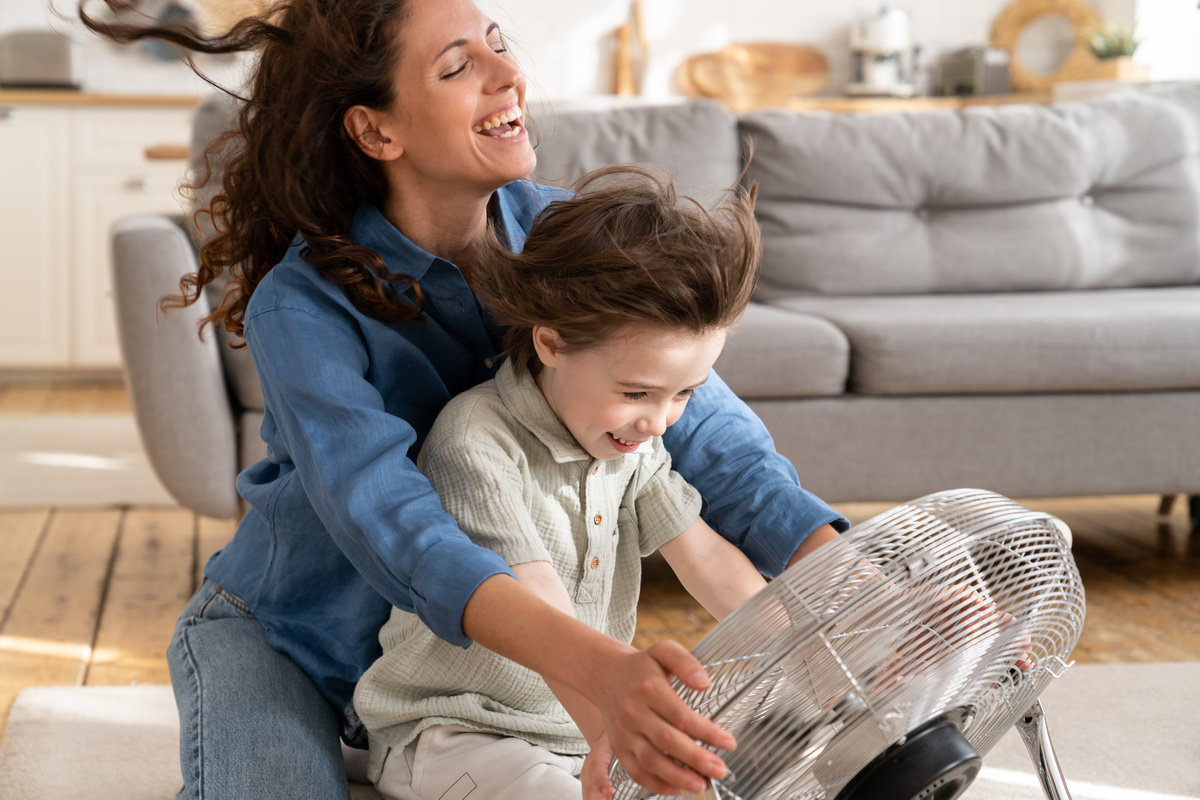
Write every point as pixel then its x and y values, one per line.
pixel 453 762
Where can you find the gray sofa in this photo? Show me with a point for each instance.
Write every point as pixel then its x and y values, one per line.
pixel 1002 297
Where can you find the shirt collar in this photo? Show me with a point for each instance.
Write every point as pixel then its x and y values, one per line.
pixel 525 401
pixel 511 205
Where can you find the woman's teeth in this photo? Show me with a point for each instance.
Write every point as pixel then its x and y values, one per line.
pixel 513 113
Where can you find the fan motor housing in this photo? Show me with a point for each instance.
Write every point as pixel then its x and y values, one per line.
pixel 934 762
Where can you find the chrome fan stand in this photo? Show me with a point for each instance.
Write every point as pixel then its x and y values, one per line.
pixel 1036 736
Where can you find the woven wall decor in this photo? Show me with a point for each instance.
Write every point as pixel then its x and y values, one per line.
pixel 1011 23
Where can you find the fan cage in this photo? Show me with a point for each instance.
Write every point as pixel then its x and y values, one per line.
pixel 959 600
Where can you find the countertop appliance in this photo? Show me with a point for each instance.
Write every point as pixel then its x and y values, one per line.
pixel 39 59
pixel 885 58
pixel 974 71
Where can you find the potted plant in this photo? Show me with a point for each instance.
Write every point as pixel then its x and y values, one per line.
pixel 1113 46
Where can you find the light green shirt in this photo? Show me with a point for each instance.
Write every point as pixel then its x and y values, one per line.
pixel 518 483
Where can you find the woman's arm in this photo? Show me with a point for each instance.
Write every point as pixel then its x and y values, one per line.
pixel 649 727
pixel 713 571
pixel 540 578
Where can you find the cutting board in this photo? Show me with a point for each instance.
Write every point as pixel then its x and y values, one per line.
pixel 755 74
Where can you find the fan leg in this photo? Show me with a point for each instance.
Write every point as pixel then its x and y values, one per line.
pixel 1036 736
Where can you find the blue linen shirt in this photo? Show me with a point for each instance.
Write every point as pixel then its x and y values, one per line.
pixel 342 526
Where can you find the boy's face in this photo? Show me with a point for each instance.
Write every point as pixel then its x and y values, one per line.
pixel 620 394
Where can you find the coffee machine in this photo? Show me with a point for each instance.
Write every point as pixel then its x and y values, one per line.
pixel 885 59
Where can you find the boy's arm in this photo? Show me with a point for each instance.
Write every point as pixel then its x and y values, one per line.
pixel 752 495
pixel 540 578
pixel 713 571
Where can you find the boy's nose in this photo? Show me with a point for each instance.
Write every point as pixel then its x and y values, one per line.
pixel 653 424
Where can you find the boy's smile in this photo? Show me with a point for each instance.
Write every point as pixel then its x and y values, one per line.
pixel 618 395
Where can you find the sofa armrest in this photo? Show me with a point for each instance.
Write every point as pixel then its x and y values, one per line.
pixel 175 379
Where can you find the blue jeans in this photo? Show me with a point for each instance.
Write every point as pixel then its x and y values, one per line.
pixel 252 724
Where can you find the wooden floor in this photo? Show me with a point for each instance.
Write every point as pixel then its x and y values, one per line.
pixel 89 596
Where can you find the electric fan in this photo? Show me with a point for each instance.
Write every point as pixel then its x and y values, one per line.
pixel 887 663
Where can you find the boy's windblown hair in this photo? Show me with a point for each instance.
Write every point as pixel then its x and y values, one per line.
pixel 624 250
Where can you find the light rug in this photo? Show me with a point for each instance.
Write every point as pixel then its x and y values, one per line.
pixel 1122 732
pixel 75 460
pixel 96 743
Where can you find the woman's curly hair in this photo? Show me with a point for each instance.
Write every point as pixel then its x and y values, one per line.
pixel 291 167
pixel 624 250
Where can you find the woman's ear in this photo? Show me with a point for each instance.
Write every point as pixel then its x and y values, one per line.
pixel 366 126
pixel 548 345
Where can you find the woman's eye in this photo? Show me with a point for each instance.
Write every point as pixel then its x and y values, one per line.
pixel 455 72
pixel 635 395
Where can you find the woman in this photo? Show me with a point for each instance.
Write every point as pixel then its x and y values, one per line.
pixel 378 140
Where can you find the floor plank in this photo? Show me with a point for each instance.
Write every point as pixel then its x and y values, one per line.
pixel 72 399
pixel 151 581
pixel 20 532
pixel 20 399
pixel 112 399
pixel 48 636
pixel 211 536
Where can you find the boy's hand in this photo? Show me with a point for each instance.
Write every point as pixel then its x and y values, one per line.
pixel 653 732
pixel 594 776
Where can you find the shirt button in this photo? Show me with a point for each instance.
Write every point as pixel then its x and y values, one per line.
pixel 597 469
pixel 595 563
pixel 597 519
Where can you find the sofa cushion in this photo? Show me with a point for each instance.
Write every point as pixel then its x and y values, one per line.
pixel 697 141
pixel 778 353
pixel 1098 194
pixel 1097 340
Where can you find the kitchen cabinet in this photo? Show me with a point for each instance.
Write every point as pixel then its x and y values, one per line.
pixel 69 171
pixel 34 222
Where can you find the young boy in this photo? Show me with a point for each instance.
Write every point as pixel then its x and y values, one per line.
pixel 615 310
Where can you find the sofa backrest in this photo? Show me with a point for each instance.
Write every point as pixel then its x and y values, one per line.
pixel 696 141
pixel 1102 193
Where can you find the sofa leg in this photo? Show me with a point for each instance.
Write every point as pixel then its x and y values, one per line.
pixel 1165 504
pixel 1194 512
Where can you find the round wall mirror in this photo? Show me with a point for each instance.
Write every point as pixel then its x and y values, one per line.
pixel 1045 44
pixel 1045 41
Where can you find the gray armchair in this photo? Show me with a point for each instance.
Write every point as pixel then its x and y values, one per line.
pixel 196 401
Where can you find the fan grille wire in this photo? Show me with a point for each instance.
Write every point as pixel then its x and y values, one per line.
pixel 958 600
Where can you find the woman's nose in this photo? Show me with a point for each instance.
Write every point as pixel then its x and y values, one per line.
pixel 505 74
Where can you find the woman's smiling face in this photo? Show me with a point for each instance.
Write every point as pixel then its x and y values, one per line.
pixel 460 98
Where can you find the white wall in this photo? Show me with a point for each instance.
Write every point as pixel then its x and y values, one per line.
pixel 109 67
pixel 566 45
pixel 568 49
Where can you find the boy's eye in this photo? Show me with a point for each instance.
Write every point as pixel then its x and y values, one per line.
pixel 686 393
pixel 635 395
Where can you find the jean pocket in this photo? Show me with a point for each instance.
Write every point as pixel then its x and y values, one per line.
pixel 213 602
pixel 234 601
